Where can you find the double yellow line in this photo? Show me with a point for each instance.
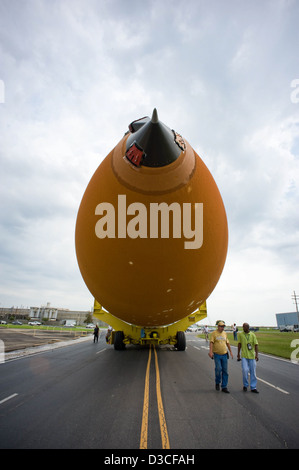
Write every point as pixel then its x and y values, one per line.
pixel 162 420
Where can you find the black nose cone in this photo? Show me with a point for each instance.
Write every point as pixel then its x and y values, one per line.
pixel 152 143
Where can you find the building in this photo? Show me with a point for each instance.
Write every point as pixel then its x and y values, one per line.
pixel 287 319
pixel 17 313
pixel 45 313
pixel 52 314
pixel 48 314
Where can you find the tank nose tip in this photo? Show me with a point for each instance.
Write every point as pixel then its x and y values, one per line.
pixel 155 118
pixel 152 144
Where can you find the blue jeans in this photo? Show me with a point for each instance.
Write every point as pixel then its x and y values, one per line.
pixel 249 367
pixel 221 374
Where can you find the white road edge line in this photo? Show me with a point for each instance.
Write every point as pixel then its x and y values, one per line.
pixel 271 385
pixel 202 347
pixel 8 398
pixel 100 351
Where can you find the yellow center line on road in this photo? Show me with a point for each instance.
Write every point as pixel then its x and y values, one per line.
pixel 162 420
pixel 144 426
pixel 163 427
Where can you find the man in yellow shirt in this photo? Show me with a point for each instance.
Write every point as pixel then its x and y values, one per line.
pixel 219 345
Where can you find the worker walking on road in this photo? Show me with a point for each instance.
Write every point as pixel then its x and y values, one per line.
pixel 96 334
pixel 249 345
pixel 206 332
pixel 219 344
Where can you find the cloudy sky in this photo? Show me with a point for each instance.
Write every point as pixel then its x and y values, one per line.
pixel 75 73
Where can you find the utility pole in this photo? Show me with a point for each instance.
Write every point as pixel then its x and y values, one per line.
pixel 295 298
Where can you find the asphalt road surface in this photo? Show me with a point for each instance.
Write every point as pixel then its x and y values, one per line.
pixel 89 396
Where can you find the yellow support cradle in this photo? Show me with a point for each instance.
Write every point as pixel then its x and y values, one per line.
pixel 124 333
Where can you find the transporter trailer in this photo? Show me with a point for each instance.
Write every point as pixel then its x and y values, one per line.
pixel 123 333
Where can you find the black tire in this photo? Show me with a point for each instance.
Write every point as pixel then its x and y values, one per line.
pixel 119 341
pixel 181 341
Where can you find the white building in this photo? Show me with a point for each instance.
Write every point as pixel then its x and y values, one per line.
pixel 46 313
pixel 43 313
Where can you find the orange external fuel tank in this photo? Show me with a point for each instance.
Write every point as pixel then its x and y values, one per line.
pixel 151 231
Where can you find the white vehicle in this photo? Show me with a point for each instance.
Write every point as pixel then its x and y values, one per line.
pixel 192 329
pixel 90 325
pixel 286 328
pixel 70 323
pixel 34 323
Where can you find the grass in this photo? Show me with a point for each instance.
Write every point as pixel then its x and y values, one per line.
pixel 48 328
pixel 272 342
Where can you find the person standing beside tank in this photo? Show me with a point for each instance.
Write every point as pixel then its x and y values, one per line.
pixel 249 345
pixel 96 334
pixel 206 333
pixel 219 344
pixel 235 331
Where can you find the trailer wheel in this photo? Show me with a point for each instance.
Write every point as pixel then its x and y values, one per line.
pixel 118 341
pixel 181 341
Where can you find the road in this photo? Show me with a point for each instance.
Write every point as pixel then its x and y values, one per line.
pixel 89 396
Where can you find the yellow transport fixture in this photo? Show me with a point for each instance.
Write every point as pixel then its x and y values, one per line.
pixel 124 333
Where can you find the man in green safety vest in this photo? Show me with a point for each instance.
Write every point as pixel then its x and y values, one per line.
pixel 248 343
